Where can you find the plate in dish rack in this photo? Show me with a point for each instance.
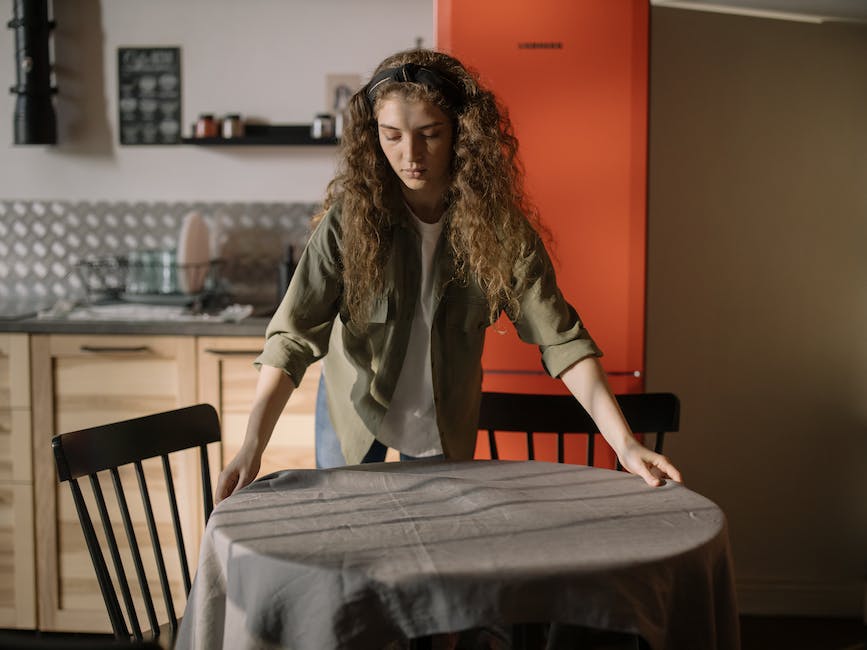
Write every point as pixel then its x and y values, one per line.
pixel 194 252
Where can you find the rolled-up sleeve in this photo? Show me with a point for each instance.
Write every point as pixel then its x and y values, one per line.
pixel 298 333
pixel 548 320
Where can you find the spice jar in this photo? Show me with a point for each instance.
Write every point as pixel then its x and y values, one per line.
pixel 206 126
pixel 323 126
pixel 233 127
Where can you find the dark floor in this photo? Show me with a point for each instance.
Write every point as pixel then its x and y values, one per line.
pixel 767 633
pixel 757 633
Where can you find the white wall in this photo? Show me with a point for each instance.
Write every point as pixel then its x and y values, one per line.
pixel 757 292
pixel 262 58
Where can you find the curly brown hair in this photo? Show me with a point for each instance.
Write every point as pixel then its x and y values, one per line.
pixel 490 222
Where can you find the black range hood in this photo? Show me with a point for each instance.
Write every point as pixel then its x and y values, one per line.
pixel 34 118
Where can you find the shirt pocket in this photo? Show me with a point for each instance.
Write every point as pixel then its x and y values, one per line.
pixel 467 314
pixel 377 318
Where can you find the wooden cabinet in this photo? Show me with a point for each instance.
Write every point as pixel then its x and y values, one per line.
pixel 55 383
pixel 80 381
pixel 17 561
pixel 227 379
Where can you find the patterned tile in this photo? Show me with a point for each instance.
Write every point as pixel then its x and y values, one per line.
pixel 42 242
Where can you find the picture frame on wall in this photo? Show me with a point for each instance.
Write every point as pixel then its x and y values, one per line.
pixel 149 95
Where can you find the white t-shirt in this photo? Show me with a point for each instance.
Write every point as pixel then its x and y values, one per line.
pixel 410 424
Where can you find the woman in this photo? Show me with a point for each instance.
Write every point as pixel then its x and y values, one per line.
pixel 425 237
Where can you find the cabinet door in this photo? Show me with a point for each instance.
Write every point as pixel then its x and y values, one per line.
pixel 82 381
pixel 227 379
pixel 17 560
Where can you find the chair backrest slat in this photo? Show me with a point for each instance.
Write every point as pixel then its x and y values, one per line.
pixel 155 544
pixel 176 523
pixel 114 550
pixel 207 493
pixel 132 539
pixel 109 595
pixel 492 441
pixel 129 443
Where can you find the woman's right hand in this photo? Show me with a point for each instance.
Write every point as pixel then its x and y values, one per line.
pixel 273 388
pixel 240 472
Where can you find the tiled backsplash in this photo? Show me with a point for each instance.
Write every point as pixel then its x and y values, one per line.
pixel 41 241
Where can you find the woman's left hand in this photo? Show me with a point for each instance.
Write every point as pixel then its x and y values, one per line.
pixel 652 467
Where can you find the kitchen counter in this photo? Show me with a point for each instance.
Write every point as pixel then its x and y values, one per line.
pixel 133 319
pixel 246 327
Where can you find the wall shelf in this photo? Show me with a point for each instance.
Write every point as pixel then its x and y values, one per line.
pixel 256 135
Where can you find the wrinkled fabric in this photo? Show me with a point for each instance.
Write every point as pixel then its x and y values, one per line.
pixel 368 555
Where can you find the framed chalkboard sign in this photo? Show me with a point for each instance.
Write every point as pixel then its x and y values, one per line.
pixel 149 95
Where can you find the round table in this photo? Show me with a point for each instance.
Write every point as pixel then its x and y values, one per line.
pixel 361 556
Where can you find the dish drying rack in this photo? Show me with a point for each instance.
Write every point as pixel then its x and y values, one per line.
pixel 116 278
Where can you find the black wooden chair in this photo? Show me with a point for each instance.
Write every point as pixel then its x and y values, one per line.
pixel 653 414
pixel 111 448
pixel 646 413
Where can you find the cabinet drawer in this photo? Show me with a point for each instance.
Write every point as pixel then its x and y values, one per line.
pixel 102 379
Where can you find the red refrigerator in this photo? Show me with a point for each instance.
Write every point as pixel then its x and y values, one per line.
pixel 573 75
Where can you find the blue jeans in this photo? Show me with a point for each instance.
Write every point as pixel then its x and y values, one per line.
pixel 328 452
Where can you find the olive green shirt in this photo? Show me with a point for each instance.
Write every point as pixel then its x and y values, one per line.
pixel 360 377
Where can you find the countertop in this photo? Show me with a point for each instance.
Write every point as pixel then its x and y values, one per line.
pixel 246 327
pixel 150 321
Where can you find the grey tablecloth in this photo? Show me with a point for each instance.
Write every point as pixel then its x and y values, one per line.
pixel 360 556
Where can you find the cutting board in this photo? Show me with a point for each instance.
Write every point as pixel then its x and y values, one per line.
pixel 194 253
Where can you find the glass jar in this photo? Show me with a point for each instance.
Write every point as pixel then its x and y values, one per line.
pixel 322 127
pixel 206 126
pixel 136 282
pixel 142 276
pixel 233 127
pixel 167 271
